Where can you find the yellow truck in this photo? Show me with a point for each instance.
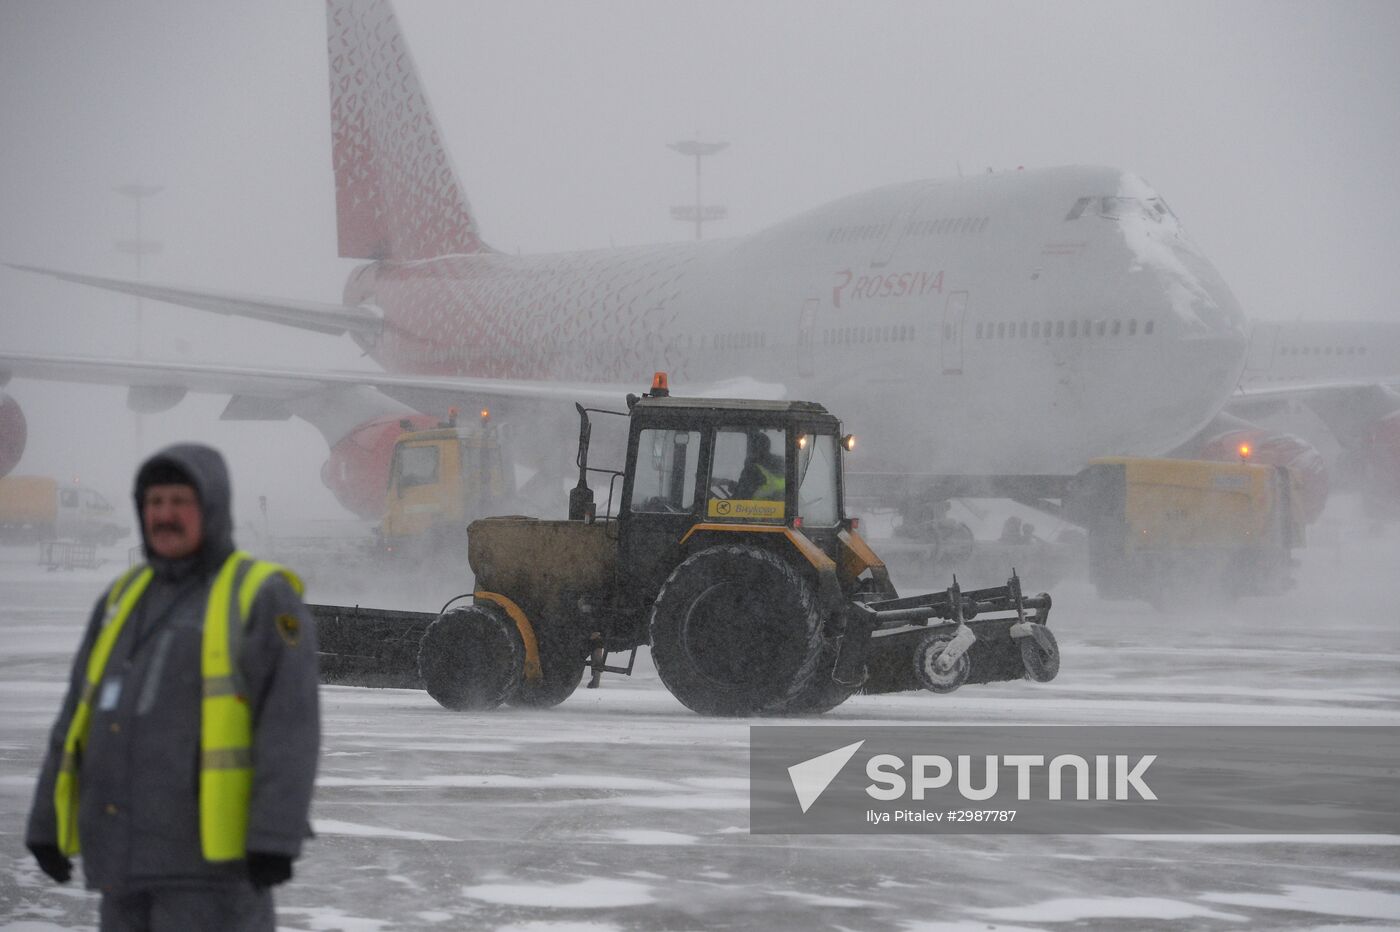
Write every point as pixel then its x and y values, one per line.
pixel 439 481
pixel 40 508
pixel 1161 528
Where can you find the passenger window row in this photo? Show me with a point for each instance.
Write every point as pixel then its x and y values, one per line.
pixel 1059 329
pixel 942 226
pixel 748 339
pixel 1322 351
pixel 856 234
pixel 889 333
pixel 948 225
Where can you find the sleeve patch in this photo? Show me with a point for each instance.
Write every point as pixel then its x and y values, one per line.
pixel 290 628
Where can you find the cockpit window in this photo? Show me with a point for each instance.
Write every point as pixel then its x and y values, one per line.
pixel 1115 208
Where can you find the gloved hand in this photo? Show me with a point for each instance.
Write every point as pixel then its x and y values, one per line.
pixel 268 870
pixel 52 862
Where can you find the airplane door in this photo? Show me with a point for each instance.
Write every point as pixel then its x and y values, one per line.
pixel 807 338
pixel 954 319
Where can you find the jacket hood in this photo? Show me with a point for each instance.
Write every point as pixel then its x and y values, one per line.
pixel 208 474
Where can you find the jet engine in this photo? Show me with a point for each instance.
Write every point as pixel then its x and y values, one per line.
pixel 357 470
pixel 13 433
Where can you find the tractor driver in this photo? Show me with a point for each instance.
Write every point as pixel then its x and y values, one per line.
pixel 764 474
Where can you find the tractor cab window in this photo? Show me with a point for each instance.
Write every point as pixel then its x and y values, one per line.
pixel 749 468
pixel 817 462
pixel 664 477
pixel 416 466
pixel 68 498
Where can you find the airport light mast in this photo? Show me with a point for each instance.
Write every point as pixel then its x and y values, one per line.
pixel 699 213
pixel 138 247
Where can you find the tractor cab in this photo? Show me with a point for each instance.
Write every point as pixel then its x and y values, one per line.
pixel 712 467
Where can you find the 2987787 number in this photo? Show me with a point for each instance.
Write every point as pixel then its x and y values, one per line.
pixel 980 815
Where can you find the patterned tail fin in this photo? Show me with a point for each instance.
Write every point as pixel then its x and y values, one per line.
pixel 396 194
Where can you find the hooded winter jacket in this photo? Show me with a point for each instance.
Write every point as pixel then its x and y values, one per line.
pixel 138 811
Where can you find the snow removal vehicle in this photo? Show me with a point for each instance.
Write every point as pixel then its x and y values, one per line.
pixel 1165 530
pixel 729 553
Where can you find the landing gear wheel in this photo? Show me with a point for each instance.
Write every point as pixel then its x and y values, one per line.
pixel 561 664
pixel 927 671
pixel 1041 655
pixel 735 630
pixel 471 658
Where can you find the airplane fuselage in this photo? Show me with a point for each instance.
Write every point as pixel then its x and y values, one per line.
pixel 1016 323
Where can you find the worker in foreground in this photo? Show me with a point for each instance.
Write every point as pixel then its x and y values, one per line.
pixel 184 755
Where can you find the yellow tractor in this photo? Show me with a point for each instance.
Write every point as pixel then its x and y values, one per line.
pixel 724 545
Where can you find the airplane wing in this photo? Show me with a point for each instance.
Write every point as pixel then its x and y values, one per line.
pixel 1288 391
pixel 334 319
pixel 1348 407
pixel 1264 395
pixel 274 384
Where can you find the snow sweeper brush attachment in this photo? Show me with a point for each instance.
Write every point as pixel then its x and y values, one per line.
pixel 943 640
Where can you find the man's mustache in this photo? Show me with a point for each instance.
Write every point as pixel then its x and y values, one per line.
pixel 173 526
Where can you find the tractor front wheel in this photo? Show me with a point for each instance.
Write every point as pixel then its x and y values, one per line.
pixel 471 658
pixel 562 660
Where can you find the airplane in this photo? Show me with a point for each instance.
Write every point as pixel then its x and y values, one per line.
pixel 986 335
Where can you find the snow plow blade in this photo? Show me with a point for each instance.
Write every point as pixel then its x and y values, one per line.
pixel 369 646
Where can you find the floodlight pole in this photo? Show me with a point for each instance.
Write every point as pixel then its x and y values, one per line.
pixel 138 247
pixel 701 211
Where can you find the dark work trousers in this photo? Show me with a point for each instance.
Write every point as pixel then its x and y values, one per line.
pixel 234 907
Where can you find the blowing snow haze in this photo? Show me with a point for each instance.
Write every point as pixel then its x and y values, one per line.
pixel 1269 128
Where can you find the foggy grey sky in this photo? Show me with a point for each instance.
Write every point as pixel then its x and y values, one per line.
pixel 1270 127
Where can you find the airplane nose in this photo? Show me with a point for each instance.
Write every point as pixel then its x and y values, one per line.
pixel 1207 370
pixel 1212 302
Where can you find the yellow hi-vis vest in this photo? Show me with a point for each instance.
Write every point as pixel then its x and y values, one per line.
pixel 774 484
pixel 226 719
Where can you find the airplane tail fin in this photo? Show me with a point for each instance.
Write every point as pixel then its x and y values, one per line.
pixel 397 196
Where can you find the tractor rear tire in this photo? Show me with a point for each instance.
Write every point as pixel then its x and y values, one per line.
pixel 471 658
pixel 735 630
pixel 820 694
pixel 561 665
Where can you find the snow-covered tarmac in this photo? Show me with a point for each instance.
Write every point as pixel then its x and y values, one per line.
pixel 622 810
